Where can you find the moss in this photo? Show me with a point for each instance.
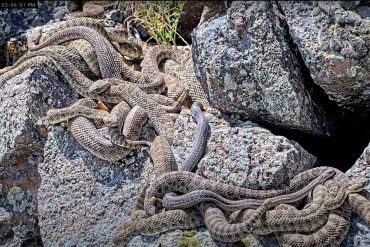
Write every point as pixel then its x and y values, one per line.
pixel 187 239
pixel 333 28
pixel 247 241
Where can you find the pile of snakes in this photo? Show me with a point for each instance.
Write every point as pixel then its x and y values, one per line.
pixel 117 99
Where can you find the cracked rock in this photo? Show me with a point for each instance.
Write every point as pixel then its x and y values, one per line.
pixel 245 59
pixel 334 41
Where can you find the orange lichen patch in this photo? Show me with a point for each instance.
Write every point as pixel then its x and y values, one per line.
pixel 338 67
pixel 102 106
pixel 33 180
pixel 6 185
pixel 17 218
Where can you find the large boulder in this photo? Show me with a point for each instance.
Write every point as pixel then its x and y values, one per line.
pixel 24 101
pixel 82 199
pixel 242 154
pixel 255 158
pixel 250 68
pixel 333 39
pixel 360 231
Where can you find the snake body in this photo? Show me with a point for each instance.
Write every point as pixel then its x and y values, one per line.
pixel 109 61
pixel 94 9
pixel 332 233
pixel 89 137
pixel 133 95
pixel 200 139
pixel 87 52
pixel 120 140
pixel 360 205
pixel 184 182
pixel 150 67
pixel 56 116
pixel 185 72
pixel 115 35
pixel 156 224
pixel 68 52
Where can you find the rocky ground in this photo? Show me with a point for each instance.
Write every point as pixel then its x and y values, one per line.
pixel 270 68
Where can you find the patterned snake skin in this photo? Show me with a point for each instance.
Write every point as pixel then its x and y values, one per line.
pixel 92 139
pixel 193 198
pixel 94 9
pixel 184 182
pixel 200 139
pixel 185 72
pixel 19 66
pixel 108 59
pixel 133 95
pixel 331 234
pixel 150 67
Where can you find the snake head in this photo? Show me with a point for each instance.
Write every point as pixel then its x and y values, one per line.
pixel 268 203
pixel 34 37
pixel 358 185
pixel 327 174
pixel 110 120
pixel 100 86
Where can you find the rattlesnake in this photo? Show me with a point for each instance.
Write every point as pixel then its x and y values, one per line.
pixel 37 58
pixel 171 201
pixel 331 234
pixel 158 118
pixel 92 139
pixel 184 182
pixel 67 52
pixel 108 59
pixel 94 9
pixel 150 64
pixel 200 139
pixel 185 72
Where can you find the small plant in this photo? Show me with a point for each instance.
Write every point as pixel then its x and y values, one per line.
pixel 160 19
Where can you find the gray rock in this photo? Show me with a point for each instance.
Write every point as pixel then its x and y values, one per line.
pixel 115 15
pixel 360 231
pixel 24 101
pixel 227 141
pixel 334 43
pixel 82 199
pixel 245 59
pixel 14 21
pixel 244 154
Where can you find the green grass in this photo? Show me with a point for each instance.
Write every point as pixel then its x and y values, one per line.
pixel 160 19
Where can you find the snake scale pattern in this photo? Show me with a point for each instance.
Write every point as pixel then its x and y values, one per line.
pixel 93 60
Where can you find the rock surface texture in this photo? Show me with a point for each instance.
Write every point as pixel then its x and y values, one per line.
pixel 245 59
pixel 14 21
pixel 334 38
pixel 24 101
pixel 81 198
pixel 244 154
pixel 250 151
pixel 360 232
pixel 55 193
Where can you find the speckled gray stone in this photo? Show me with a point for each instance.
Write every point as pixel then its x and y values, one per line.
pixel 244 155
pixel 82 199
pixel 360 232
pixel 24 101
pixel 245 59
pixel 14 21
pixel 334 43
